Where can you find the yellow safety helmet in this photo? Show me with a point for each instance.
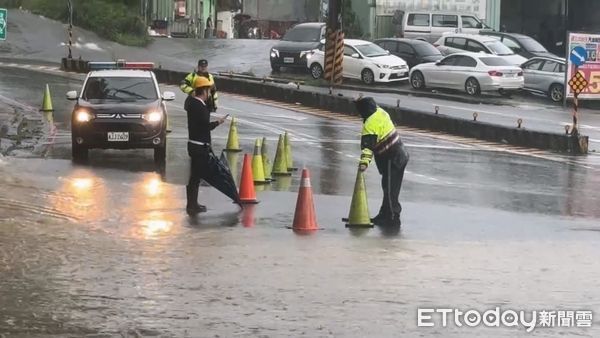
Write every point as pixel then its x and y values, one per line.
pixel 201 81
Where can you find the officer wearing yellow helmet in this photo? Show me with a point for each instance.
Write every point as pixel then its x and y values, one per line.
pixel 187 85
pixel 199 141
pixel 380 139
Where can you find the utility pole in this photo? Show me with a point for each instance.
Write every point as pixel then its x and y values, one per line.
pixel 334 44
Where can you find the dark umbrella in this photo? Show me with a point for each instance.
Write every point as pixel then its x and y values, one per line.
pixel 219 176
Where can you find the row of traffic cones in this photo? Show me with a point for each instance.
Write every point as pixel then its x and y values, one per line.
pixel 258 171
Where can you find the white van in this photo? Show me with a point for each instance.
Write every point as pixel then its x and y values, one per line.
pixel 430 26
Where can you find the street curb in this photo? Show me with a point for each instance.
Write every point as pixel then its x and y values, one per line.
pixel 564 143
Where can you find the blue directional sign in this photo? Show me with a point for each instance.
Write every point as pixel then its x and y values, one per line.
pixel 578 56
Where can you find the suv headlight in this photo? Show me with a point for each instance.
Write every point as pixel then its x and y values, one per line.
pixel 153 116
pixel 274 53
pixel 308 53
pixel 83 116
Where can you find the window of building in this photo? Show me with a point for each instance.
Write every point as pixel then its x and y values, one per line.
pixel 421 20
pixel 440 20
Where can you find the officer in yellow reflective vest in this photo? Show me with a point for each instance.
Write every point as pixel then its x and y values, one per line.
pixel 187 85
pixel 380 139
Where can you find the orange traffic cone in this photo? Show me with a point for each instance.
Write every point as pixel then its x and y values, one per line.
pixel 305 220
pixel 247 193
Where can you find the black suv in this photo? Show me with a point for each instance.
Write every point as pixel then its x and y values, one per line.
pixel 297 42
pixel 119 109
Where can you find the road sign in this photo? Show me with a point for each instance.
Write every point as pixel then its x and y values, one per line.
pixel 578 83
pixel 578 56
pixel 3 23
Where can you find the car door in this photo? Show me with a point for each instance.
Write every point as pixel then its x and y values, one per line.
pixel 440 75
pixel 352 65
pixel 462 68
pixel 418 25
pixel 546 75
pixel 407 53
pixel 531 73
pixel 470 24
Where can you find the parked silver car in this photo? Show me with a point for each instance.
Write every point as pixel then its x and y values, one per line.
pixel 545 75
pixel 472 72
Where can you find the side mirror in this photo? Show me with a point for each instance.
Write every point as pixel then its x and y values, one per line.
pixel 168 96
pixel 479 25
pixel 355 55
pixel 72 95
pixel 438 62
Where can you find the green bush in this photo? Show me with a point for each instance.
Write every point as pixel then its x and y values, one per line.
pixel 115 20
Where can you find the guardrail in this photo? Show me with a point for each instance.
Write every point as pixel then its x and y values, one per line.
pixel 270 88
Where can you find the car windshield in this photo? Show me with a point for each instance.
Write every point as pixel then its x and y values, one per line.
pixel 491 61
pixel 426 49
pixel 499 48
pixel 303 34
pixel 371 50
pixel 120 89
pixel 532 45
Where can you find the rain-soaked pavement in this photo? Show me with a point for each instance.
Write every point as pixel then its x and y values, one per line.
pixel 105 249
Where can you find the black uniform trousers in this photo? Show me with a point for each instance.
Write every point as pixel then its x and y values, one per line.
pixel 391 166
pixel 199 155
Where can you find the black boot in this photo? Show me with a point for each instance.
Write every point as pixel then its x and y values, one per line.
pixel 192 206
pixel 381 219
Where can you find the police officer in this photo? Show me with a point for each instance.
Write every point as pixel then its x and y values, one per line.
pixel 380 138
pixel 199 127
pixel 187 85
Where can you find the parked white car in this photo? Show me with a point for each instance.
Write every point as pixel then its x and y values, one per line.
pixel 471 72
pixel 460 43
pixel 363 60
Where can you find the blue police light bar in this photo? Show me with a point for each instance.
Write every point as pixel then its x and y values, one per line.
pixel 120 64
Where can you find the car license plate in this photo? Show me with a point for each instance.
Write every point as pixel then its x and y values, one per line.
pixel 118 136
pixel 288 60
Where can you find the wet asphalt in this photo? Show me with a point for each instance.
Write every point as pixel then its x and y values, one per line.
pixel 105 249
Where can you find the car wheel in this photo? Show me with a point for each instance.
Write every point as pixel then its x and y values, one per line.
pixel 78 152
pixel 417 81
pixel 472 87
pixel 367 77
pixel 316 71
pixel 556 92
pixel 275 68
pixel 160 154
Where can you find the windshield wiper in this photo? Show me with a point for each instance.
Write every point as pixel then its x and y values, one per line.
pixel 130 93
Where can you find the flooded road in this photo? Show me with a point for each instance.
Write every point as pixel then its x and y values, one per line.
pixel 105 249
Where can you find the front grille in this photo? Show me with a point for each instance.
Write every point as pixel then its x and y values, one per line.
pixel 289 55
pixel 399 67
pixel 118 126
pixel 397 76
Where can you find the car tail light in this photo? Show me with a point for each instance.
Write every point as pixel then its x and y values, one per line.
pixel 495 73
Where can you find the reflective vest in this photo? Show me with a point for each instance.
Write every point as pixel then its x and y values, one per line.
pixel 187 86
pixel 378 135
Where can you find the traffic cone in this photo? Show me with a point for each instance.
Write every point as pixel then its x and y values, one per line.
pixel 258 172
pixel 305 220
pixel 247 192
pixel 280 167
pixel 359 208
pixel 47 106
pixel 232 162
pixel 233 143
pixel 266 162
pixel 288 152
